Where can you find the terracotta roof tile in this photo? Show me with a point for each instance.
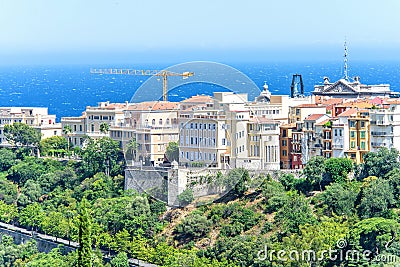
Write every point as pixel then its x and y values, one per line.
pixel 348 112
pixel 198 99
pixel 310 106
pixel 313 117
pixel 322 122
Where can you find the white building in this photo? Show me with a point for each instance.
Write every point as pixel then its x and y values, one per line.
pixel 340 133
pixel 228 135
pixel 385 127
pixel 37 117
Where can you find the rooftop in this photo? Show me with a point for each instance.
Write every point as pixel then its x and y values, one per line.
pixel 154 105
pixel 198 99
pixel 348 113
pixel 314 117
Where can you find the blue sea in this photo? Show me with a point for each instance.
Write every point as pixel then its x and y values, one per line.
pixel 67 90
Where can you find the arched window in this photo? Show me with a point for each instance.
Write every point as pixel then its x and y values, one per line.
pixel 146 122
pixel 160 122
pixel 167 122
pixel 174 121
pixel 153 122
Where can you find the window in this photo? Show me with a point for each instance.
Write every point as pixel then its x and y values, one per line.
pixel 284 143
pixel 362 124
pixel 92 128
pixel 223 141
pixel 153 122
pixel 352 134
pixel 167 121
pixel 336 132
pixel 284 153
pixel 352 124
pixel 362 134
pixel 160 122
pixel 362 144
pixel 352 144
pixel 80 128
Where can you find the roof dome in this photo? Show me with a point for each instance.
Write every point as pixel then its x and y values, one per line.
pixel 265 95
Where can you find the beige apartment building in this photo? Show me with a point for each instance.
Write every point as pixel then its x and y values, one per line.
pixel 151 124
pixel 228 135
pixel 88 124
pixel 37 117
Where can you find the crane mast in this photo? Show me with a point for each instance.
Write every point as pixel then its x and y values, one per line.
pixel 163 73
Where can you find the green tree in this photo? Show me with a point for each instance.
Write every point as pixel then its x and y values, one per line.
pixel 376 199
pixel 375 235
pixel 101 155
pixel 32 215
pixel 8 212
pixel 67 130
pixel 338 169
pixel 237 181
pixel 314 170
pixel 8 191
pixel 51 259
pixel 172 151
pixel 131 149
pixel 30 192
pixel 274 194
pixel 339 199
pixel 7 159
pixel 193 226
pixel 380 163
pixel 55 224
pixel 22 135
pixel 121 260
pixel 295 212
pixel 85 253
pixel 54 145
pixel 104 128
pixel 394 179
pixel 29 168
pixel 186 197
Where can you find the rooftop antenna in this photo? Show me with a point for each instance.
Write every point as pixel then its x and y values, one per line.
pixel 346 76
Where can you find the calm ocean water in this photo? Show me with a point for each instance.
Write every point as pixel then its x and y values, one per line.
pixel 67 90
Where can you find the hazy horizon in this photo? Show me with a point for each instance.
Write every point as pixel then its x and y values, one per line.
pixel 132 32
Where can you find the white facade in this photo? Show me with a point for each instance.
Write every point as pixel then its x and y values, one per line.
pixel 340 136
pixel 37 117
pixel 385 128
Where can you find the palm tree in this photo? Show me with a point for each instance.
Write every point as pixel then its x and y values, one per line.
pixel 132 147
pixel 104 127
pixel 67 131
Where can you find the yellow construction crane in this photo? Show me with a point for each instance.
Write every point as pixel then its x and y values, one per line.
pixel 163 73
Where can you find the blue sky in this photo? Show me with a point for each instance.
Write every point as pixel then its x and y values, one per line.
pixel 101 31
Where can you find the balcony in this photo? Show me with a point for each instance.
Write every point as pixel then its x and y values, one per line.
pixel 382 123
pixel 382 133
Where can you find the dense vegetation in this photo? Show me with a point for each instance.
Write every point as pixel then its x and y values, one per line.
pixel 332 205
